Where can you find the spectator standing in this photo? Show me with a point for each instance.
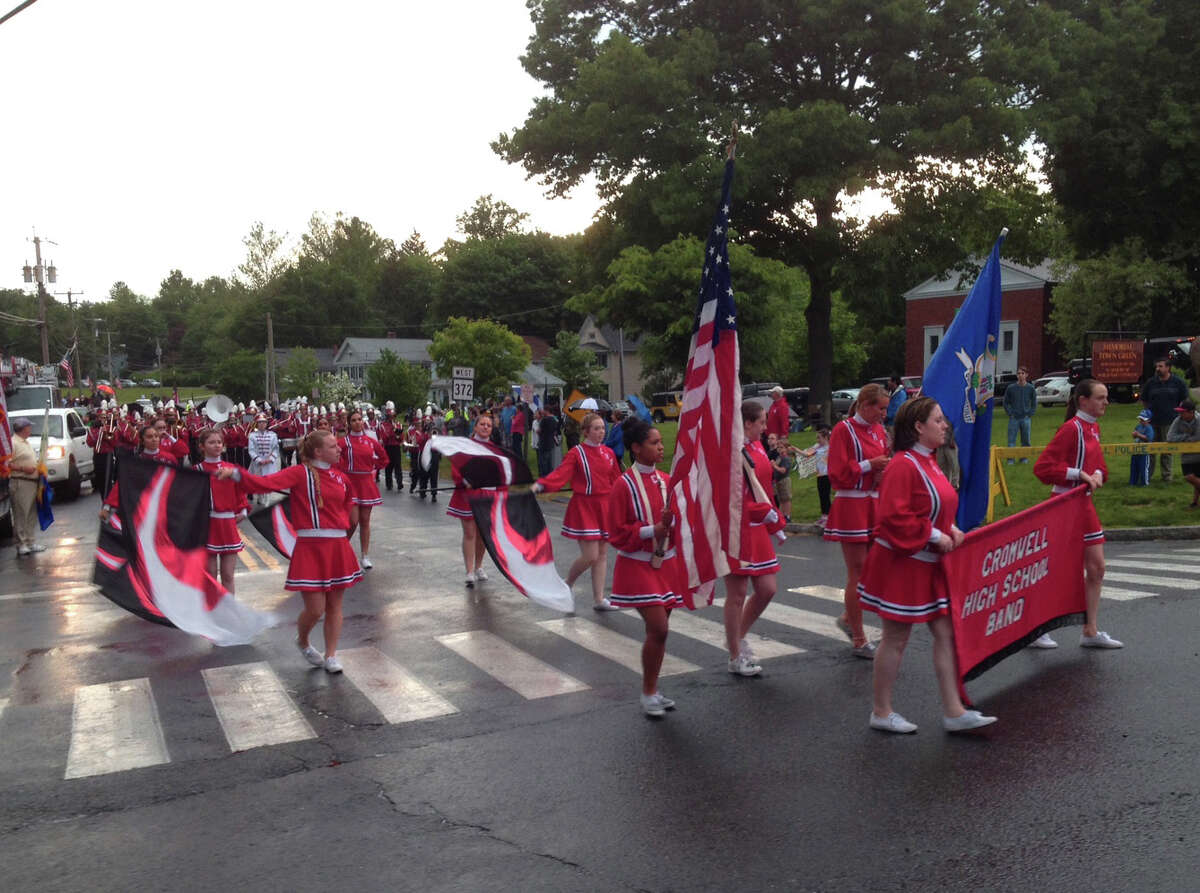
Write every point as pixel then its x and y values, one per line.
pixel 517 430
pixel 547 443
pixel 23 486
pixel 1161 393
pixel 506 419
pixel 821 451
pixel 1020 403
pixel 777 415
pixel 1186 429
pixel 897 396
pixel 1139 465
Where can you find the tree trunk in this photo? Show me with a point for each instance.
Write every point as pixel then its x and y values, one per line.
pixel 820 344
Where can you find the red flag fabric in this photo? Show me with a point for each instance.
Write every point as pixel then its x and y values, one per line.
pixel 1015 579
pixel 706 468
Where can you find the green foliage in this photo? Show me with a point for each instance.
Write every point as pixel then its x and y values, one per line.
pixel 241 375
pixel 298 376
pixel 490 218
pixel 264 260
pixel 390 378
pixel 832 97
pixel 498 355
pixel 336 387
pixel 574 364
pixel 1122 290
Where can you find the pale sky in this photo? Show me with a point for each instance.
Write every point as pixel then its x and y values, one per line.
pixel 148 135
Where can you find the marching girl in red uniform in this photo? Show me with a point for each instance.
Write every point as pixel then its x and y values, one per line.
pixel 148 448
pixel 362 456
pixel 227 506
pixel 460 507
pixel 1073 458
pixel 760 520
pixel 592 469
pixel 902 581
pixel 858 453
pixel 323 565
pixel 642 531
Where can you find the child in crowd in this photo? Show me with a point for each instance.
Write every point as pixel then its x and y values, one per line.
pixel 1139 465
pixel 781 455
pixel 821 452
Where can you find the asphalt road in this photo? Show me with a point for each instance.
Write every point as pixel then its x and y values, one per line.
pixel 552 779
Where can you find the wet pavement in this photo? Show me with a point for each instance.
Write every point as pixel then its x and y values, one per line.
pixel 478 742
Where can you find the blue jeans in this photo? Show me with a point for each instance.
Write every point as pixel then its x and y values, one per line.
pixel 1015 425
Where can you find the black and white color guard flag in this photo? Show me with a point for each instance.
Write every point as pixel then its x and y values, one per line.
pixel 511 523
pixel 274 522
pixel 151 558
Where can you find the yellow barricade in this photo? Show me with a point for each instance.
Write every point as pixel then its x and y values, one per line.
pixel 998 483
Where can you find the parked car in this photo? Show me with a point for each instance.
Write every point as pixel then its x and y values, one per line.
pixel 910 383
pixel 68 457
pixel 1003 380
pixel 1053 389
pixel 126 383
pixel 151 383
pixel 795 422
pixel 842 400
pixel 755 388
pixel 666 405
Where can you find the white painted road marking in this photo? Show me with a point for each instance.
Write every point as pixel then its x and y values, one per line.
pixel 712 632
pixel 829 593
pixel 395 692
pixel 809 621
pixel 618 648
pixel 253 707
pixel 1159 566
pixel 523 673
pixel 1124 595
pixel 115 727
pixel 1149 581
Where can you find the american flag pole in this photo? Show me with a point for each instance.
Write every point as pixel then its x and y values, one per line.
pixel 706 467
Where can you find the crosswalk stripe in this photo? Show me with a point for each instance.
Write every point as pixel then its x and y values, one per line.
pixel 1148 581
pixel 829 593
pixel 48 593
pixel 114 727
pixel 809 621
pixel 396 693
pixel 618 648
pixel 1168 556
pixel 3 706
pixel 1149 566
pixel 253 707
pixel 523 673
pixel 1124 595
pixel 712 632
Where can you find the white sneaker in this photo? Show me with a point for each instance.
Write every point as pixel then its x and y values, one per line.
pixel 744 666
pixel 312 655
pixel 1043 641
pixel 744 648
pixel 971 719
pixel 333 665
pixel 893 722
pixel 667 703
pixel 470 581
pixel 604 605
pixel 1100 640
pixel 652 705
pixel 23 550
pixel 481 575
pixel 367 563
pixel 37 547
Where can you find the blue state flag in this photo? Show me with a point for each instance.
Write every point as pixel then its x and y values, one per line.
pixel 961 376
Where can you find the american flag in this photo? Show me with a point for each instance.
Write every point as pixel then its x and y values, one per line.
pixel 65 365
pixel 706 469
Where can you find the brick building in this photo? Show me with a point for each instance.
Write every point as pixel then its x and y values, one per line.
pixel 1024 317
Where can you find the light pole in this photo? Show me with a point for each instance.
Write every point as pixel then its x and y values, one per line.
pixel 40 275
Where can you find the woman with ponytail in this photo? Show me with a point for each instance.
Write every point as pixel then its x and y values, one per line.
pixel 1073 458
pixel 323 565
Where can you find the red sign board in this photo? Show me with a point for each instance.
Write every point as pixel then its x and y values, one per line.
pixel 1117 362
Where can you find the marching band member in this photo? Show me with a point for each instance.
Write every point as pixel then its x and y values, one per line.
pixel 236 438
pixel 1074 458
pixel 460 505
pixel 647 574
pixel 760 521
pixel 263 448
pixel 858 453
pixel 148 448
pixel 592 469
pixel 361 456
pixel 227 505
pixel 323 564
pixel 391 436
pixel 414 440
pixel 284 428
pixel 901 581
pixel 177 448
pixel 101 437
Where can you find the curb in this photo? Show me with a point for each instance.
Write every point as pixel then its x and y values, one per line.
pixel 1111 534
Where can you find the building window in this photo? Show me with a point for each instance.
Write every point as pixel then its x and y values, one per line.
pixel 1008 340
pixel 602 360
pixel 933 337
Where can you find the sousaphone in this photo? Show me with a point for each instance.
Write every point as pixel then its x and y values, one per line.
pixel 218 408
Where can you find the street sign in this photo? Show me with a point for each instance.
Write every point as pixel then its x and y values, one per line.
pixel 462 389
pixel 467 372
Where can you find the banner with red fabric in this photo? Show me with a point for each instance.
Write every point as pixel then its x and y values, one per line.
pixel 1014 579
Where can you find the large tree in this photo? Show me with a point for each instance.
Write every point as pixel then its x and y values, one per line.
pixel 391 378
pixel 498 356
pixel 832 96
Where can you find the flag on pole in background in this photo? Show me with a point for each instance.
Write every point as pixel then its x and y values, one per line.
pixel 706 469
pixel 961 376
pixel 65 365
pixel 5 436
pixel 45 495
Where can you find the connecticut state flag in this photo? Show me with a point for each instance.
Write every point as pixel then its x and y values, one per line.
pixel 961 376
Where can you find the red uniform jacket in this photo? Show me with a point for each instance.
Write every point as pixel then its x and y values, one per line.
pixel 320 496
pixel 591 469
pixel 1075 447
pixel 361 454
pixel 851 444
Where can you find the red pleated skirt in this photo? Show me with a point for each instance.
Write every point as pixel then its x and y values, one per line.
pixel 320 563
pixel 586 518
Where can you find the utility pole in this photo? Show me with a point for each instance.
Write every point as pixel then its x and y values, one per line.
pixel 111 377
pixel 40 275
pixel 621 361
pixel 70 293
pixel 272 396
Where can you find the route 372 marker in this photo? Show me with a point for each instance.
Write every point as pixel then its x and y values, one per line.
pixel 462 385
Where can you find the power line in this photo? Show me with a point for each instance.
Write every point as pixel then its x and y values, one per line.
pixel 9 15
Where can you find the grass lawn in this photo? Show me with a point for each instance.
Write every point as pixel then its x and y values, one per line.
pixel 128 395
pixel 1119 504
